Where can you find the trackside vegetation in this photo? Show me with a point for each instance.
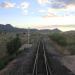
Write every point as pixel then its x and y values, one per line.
pixel 59 38
pixel 12 47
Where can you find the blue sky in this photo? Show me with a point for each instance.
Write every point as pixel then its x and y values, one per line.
pixel 38 13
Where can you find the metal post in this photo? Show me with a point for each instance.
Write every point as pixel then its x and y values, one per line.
pixel 28 35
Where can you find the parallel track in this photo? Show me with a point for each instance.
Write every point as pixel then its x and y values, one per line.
pixel 41 66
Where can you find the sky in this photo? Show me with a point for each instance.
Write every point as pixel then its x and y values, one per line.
pixel 39 14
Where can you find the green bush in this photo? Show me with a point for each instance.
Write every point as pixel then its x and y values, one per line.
pixel 2 64
pixel 59 38
pixel 13 45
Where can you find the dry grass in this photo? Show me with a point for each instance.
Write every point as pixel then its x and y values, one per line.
pixel 69 48
pixel 70 42
pixel 5 37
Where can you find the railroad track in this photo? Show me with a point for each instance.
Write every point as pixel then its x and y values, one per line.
pixel 37 62
pixel 41 66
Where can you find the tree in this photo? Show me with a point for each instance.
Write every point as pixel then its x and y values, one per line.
pixel 13 45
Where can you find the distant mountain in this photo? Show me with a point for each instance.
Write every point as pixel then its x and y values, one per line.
pixel 46 31
pixel 10 28
pixel 56 30
pixel 70 33
pixel 7 27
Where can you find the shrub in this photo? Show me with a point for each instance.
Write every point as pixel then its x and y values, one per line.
pixel 13 45
pixel 59 38
pixel 2 63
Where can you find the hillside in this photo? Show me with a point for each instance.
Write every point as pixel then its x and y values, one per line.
pixel 48 31
pixel 10 28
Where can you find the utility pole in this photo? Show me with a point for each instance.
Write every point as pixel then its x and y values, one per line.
pixel 28 35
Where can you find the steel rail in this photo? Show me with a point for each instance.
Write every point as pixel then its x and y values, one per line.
pixel 36 60
pixel 48 70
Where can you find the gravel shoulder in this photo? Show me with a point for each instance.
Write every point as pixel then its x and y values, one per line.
pixel 69 62
pixel 56 56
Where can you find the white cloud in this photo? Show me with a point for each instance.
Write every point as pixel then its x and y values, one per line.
pixel 66 20
pixel 50 10
pixel 24 5
pixel 42 11
pixel 43 1
pixel 7 4
pixel 68 10
pixel 49 15
pixel 70 7
pixel 25 12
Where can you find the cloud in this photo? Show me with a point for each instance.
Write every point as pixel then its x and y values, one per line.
pixel 42 11
pixel 53 3
pixel 66 1
pixel 25 12
pixel 7 4
pixel 58 5
pixel 49 12
pixel 70 7
pixel 67 10
pixel 43 1
pixel 62 3
pixel 24 5
pixel 71 2
pixel 49 15
pixel 66 20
